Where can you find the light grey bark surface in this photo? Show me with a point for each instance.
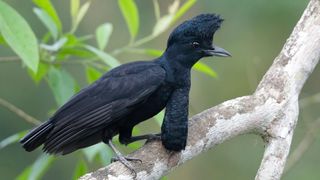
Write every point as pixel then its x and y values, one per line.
pixel 271 112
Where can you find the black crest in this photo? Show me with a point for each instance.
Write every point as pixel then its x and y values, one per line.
pixel 202 26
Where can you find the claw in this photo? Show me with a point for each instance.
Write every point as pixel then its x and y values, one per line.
pixel 125 162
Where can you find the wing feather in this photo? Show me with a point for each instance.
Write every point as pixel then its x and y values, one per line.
pixel 101 104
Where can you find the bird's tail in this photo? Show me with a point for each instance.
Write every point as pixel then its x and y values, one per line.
pixel 36 137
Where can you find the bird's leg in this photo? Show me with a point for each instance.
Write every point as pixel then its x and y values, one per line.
pixel 148 137
pixel 124 160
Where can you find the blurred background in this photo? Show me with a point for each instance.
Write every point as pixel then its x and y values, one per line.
pixel 253 31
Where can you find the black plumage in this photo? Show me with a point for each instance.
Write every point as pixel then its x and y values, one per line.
pixel 132 93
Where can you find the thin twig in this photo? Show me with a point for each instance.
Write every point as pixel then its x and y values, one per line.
pixel 19 112
pixel 9 59
pixel 156 9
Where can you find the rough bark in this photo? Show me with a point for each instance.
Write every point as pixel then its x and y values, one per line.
pixel 271 112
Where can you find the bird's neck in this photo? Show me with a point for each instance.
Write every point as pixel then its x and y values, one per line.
pixel 176 71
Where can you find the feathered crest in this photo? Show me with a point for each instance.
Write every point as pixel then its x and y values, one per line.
pixel 202 26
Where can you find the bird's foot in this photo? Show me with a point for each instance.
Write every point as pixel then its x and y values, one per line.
pixel 125 161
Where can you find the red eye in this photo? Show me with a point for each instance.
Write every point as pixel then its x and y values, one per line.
pixel 195 44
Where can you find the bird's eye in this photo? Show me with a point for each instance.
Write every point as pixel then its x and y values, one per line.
pixel 195 44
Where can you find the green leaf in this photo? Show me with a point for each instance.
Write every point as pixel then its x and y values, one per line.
pixel 47 21
pixel 62 84
pixel 37 169
pixel 183 9
pixel 80 170
pixel 19 36
pixel 153 52
pixel 2 41
pixel 79 52
pixel 12 139
pixel 80 14
pixel 106 58
pixel 47 6
pixel 56 46
pixel 25 174
pixel 150 52
pixel 201 67
pixel 162 25
pixel 129 11
pixel 74 8
pixel 42 71
pixel 103 33
pixel 98 149
pixel 159 117
pixel 73 41
pixel 92 74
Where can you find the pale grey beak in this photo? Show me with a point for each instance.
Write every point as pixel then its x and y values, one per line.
pixel 217 51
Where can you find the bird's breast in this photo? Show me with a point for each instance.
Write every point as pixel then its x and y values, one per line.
pixel 154 104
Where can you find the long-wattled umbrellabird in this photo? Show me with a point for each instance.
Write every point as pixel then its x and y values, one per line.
pixel 132 93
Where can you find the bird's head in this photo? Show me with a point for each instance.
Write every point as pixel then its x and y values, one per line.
pixel 192 39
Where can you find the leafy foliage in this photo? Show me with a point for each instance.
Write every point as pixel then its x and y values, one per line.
pixel 45 59
pixel 130 13
pixel 37 169
pixel 19 36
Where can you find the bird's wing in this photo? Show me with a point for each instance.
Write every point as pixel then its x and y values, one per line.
pixel 103 103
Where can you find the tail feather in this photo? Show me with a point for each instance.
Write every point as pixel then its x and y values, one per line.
pixel 36 137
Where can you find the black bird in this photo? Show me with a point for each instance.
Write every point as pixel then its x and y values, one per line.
pixel 132 93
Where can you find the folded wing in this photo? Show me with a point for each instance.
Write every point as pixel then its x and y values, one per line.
pixel 81 121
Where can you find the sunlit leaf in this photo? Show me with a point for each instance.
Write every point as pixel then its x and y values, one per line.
pixel 103 33
pixel 37 169
pixel 201 67
pixel 92 74
pixel 62 84
pixel 73 40
pixel 150 52
pixel 183 9
pixel 42 71
pixel 74 8
pixel 130 13
pixel 163 24
pixel 106 58
pixel 159 118
pixel 25 174
pixel 72 51
pixel 56 46
pixel 81 13
pixel 2 41
pixel 172 9
pixel 80 170
pixel 47 21
pixel 19 36
pixel 100 149
pixel 47 6
pixel 154 52
pixel 12 139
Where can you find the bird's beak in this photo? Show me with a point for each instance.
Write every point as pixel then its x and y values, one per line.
pixel 217 51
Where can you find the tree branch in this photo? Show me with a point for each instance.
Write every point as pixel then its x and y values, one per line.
pixel 271 112
pixel 23 115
